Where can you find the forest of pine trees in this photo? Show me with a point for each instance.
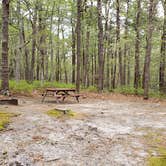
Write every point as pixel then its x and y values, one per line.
pixel 102 43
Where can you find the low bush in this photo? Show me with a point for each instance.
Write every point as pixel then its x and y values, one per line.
pixel 24 86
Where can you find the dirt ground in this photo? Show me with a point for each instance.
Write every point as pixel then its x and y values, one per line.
pixel 113 131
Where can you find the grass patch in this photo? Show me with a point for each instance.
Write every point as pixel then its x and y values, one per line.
pixel 61 113
pixel 158 145
pixel 5 119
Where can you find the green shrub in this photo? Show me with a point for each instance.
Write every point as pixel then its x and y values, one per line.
pixel 24 86
pixel 128 90
pixel 21 86
pixel 91 89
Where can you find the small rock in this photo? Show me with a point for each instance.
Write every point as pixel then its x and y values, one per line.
pixel 4 153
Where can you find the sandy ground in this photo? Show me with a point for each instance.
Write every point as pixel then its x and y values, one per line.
pixel 109 132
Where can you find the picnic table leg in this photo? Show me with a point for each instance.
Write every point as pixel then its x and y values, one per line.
pixel 44 96
pixel 77 98
pixel 57 101
pixel 63 99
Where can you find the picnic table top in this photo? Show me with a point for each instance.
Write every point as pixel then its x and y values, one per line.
pixel 60 89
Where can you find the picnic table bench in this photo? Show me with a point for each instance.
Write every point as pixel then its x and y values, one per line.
pixel 61 93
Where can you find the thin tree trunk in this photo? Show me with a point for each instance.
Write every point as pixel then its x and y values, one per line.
pixel 42 47
pixel 73 52
pixel 79 3
pixel 148 50
pixel 128 67
pixel 107 43
pixel 86 58
pixel 5 37
pixel 64 56
pixel 162 74
pixel 58 66
pixel 125 45
pixel 51 45
pixel 100 47
pixel 115 63
pixel 19 50
pixel 27 74
pixel 118 41
pixel 137 48
pixel 34 32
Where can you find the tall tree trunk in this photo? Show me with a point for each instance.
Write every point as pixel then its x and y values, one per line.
pixel 112 70
pixel 18 50
pixel 27 74
pixel 137 48
pixel 128 67
pixel 73 52
pixel 42 46
pixel 118 41
pixel 51 45
pixel 162 74
pixel 64 56
pixel 87 54
pixel 5 36
pixel 107 43
pixel 148 49
pixel 34 32
pixel 79 3
pixel 86 58
pixel 114 62
pixel 58 66
pixel 125 45
pixel 100 47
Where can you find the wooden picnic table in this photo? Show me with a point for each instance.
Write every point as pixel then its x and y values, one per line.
pixel 61 93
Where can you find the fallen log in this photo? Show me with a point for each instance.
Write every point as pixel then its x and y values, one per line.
pixel 9 101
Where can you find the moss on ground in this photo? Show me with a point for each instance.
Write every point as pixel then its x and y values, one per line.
pixel 157 143
pixel 61 113
pixel 157 161
pixel 5 119
pixel 66 114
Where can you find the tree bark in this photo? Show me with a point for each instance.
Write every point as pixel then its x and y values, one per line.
pixel 58 66
pixel 100 47
pixel 137 48
pixel 118 41
pixel 148 49
pixel 5 38
pixel 73 52
pixel 42 46
pixel 18 49
pixel 162 74
pixel 34 32
pixel 27 74
pixel 64 56
pixel 51 45
pixel 125 45
pixel 79 3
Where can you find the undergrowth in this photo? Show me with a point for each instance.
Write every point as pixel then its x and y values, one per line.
pixel 24 86
pixel 132 91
